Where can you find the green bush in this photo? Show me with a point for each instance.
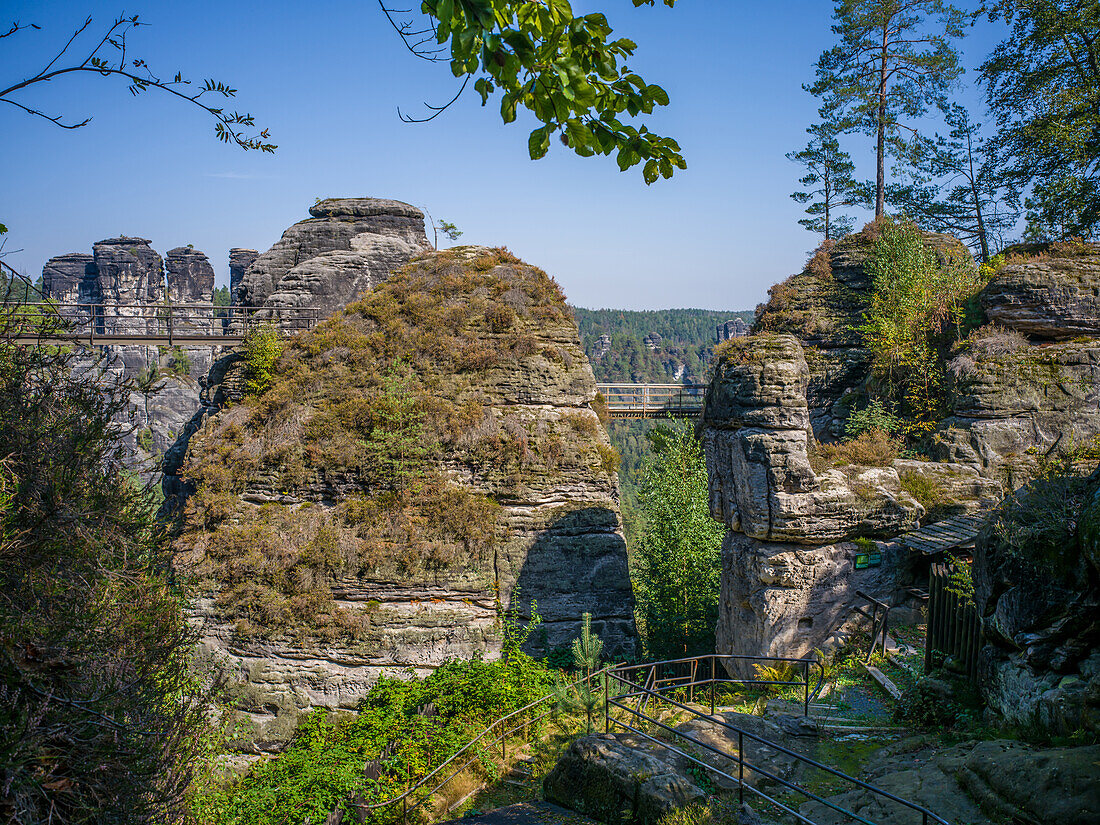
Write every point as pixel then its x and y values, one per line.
pixel 323 767
pixel 874 416
pixel 918 306
pixel 100 717
pixel 263 345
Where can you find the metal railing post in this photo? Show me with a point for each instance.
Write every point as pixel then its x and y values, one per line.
pixel 713 679
pixel 606 710
pixel 740 768
pixel 806 688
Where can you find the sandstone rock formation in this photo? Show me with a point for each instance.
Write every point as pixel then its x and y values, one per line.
pixel 239 262
pixel 788 562
pixel 130 273
pixel 422 457
pixel 71 279
pixel 823 307
pixel 1029 383
pixel 348 246
pixel 1037 588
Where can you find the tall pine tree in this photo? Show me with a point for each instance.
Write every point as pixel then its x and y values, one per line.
pixel 956 184
pixel 893 60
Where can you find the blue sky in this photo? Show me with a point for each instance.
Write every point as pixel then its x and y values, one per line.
pixel 327 77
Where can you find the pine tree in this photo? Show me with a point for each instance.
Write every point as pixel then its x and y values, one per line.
pixel 894 58
pixel 829 169
pixel 956 184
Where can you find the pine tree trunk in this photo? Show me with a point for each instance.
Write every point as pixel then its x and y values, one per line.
pixel 880 182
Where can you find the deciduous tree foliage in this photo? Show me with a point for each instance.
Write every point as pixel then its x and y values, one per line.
pixel 892 60
pixel 1043 84
pixel 677 559
pixel 565 69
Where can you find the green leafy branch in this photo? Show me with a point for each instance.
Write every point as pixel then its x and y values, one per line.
pixel 562 68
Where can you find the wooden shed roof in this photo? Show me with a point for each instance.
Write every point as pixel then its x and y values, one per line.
pixel 945 535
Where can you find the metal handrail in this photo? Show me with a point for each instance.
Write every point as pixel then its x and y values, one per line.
pixel 137 322
pixel 927 816
pixel 404 797
pixel 423 780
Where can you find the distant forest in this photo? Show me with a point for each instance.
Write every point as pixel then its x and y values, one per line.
pixel 687 338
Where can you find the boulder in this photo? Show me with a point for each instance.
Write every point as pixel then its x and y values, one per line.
pixel 381 234
pixel 604 777
pixel 1048 297
pixel 979 783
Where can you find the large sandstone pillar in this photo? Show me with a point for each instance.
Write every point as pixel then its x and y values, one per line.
pixel 788 562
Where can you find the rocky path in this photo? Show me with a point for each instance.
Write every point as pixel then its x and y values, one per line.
pixel 525 813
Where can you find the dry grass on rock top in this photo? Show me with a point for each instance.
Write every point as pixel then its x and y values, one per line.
pixel 385 441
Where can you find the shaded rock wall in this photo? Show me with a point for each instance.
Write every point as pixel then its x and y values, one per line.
pixel 1037 588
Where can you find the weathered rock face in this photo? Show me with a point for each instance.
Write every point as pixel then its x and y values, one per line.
pixel 130 273
pixel 515 502
pixel 344 249
pixel 788 575
pixel 783 599
pixel 71 279
pixel 980 783
pixel 756 441
pixel 616 782
pixel 1037 587
pixel 1055 297
pixel 239 262
pixel 189 278
pixel 823 307
pixel 1019 388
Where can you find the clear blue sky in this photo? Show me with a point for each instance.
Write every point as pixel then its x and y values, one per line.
pixel 327 78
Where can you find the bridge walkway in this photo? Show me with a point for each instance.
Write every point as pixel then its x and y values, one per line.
pixel 653 400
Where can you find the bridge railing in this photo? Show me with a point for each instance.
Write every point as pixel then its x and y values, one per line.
pixel 652 400
pixel 151 323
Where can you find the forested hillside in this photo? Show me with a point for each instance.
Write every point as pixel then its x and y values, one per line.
pixel 680 342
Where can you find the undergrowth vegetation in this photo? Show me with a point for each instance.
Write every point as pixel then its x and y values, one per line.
pixel 919 307
pixel 401 730
pixel 373 409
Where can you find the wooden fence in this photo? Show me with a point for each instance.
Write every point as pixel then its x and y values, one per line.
pixel 954 629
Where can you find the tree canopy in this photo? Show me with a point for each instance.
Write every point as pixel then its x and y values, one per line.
pixel 563 68
pixel 1043 84
pixel 893 59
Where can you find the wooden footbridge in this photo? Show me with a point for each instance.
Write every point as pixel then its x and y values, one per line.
pixel 653 400
pixel 150 325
